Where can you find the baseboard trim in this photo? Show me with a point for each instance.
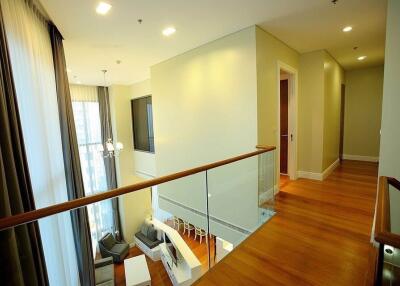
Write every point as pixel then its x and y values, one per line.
pixel 309 175
pixel 330 169
pixel 360 158
pixel 319 176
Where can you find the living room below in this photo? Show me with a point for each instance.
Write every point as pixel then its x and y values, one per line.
pixel 158 273
pixel 169 253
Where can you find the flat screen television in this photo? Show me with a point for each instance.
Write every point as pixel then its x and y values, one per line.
pixel 171 249
pixel 142 124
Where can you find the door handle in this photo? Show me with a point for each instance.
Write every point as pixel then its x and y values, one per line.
pixel 284 135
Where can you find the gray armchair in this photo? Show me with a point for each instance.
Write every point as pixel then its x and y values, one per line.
pixel 104 272
pixel 109 247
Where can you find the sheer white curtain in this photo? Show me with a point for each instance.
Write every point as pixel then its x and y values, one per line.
pixel 87 123
pixel 33 70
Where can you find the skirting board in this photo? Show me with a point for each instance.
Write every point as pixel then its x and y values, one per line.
pixel 319 176
pixel 360 158
pixel 310 175
pixel 330 169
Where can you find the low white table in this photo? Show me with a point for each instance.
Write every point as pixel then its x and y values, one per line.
pixel 136 271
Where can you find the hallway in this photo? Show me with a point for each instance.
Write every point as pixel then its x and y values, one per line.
pixel 319 236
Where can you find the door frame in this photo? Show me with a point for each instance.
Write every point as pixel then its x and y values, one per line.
pixel 292 117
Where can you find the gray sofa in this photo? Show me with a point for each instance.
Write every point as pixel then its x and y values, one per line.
pixel 148 235
pixel 104 272
pixel 109 247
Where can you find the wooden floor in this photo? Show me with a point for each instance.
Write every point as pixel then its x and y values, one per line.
pixel 319 236
pixel 159 276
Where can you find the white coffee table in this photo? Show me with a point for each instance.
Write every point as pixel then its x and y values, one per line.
pixel 136 271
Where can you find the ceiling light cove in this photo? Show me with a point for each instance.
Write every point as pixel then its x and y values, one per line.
pixel 347 29
pixel 361 58
pixel 168 31
pixel 103 8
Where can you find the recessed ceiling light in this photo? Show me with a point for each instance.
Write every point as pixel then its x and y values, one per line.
pixel 347 29
pixel 103 8
pixel 168 31
pixel 78 82
pixel 361 58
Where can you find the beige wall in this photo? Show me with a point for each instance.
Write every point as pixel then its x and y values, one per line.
pixel 333 79
pixel 122 131
pixel 136 206
pixel 205 110
pixel 205 103
pixel 320 80
pixel 311 112
pixel 269 51
pixel 363 109
pixel 389 157
pixel 144 162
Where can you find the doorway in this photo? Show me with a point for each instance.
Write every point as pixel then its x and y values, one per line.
pixel 342 109
pixel 287 121
pixel 284 120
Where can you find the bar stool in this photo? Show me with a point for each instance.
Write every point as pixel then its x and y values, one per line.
pixel 177 222
pixel 187 227
pixel 199 232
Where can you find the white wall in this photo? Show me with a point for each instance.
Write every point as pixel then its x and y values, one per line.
pixel 389 157
pixel 205 103
pixel 134 207
pixel 205 110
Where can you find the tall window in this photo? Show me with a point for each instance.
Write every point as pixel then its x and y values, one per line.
pixel 33 71
pixel 87 123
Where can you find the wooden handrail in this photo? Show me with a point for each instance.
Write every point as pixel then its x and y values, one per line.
pixel 18 219
pixel 383 233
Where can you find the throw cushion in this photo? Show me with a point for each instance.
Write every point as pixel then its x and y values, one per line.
pixel 120 248
pixel 108 241
pixel 152 233
pixel 144 229
pixel 146 241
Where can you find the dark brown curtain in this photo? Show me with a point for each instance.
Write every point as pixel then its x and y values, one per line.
pixel 21 260
pixel 109 162
pixel 73 174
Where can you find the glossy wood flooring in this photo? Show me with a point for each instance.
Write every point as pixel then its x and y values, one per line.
pixel 319 236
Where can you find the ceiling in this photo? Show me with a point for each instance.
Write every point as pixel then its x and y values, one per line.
pixel 94 42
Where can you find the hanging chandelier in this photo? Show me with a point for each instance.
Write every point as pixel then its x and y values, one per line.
pixel 109 149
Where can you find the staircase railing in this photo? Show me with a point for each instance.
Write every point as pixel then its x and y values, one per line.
pixel 387 231
pixel 26 217
pixel 222 203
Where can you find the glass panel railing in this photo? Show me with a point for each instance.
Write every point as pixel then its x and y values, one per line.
pixel 391 266
pixel 267 184
pixel 180 212
pixel 240 200
pixel 387 232
pixel 171 232
pixel 394 202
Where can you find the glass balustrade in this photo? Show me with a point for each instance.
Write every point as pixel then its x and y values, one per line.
pixel 172 232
